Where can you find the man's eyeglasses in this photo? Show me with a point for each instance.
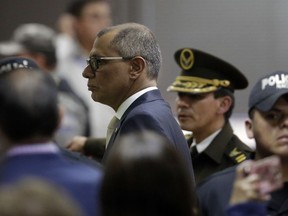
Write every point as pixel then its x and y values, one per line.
pixel 95 62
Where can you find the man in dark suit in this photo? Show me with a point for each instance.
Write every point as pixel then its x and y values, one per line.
pixel 204 105
pixel 29 117
pixel 122 73
pixel 268 124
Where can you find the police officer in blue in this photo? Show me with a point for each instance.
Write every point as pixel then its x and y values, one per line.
pixel 204 105
pixel 268 125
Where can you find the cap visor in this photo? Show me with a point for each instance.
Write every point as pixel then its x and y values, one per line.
pixel 269 102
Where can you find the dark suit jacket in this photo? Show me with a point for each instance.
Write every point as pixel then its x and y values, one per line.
pixel 149 112
pixel 81 181
pixel 214 195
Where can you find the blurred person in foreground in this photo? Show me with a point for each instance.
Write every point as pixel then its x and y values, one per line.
pixel 144 176
pixel 268 125
pixel 122 73
pixel 83 19
pixel 253 184
pixel 37 41
pixel 29 117
pixel 35 197
pixel 204 105
pixel 144 165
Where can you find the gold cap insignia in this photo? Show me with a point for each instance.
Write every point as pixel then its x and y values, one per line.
pixel 196 85
pixel 186 59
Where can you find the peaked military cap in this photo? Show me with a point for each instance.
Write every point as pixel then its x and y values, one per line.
pixel 203 72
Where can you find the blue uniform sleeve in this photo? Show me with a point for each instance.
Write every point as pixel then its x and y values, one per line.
pixel 247 209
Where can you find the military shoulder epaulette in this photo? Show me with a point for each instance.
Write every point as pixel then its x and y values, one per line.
pixel 237 155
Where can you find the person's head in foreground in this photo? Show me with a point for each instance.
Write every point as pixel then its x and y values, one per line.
pixel 145 176
pixel 35 197
pixel 29 111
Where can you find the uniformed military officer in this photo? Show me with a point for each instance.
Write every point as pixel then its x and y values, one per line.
pixel 205 102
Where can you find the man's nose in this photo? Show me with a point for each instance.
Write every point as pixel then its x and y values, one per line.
pixel 284 122
pixel 181 102
pixel 87 72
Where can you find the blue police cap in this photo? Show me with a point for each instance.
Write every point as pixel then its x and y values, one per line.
pixel 13 63
pixel 268 90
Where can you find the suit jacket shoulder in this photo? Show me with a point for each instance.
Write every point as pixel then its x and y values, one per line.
pixel 81 180
pixel 151 112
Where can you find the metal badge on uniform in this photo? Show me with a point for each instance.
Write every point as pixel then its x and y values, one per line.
pixel 186 59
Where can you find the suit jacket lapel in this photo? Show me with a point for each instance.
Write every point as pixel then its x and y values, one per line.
pixel 148 96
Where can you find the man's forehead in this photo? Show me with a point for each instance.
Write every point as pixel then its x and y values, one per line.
pixel 281 104
pixel 101 46
pixel 97 47
pixel 199 95
pixel 96 51
pixel 103 39
pixel 93 52
pixel 282 101
pixel 96 7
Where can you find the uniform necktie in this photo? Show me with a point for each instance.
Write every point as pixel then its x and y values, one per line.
pixel 194 152
pixel 110 129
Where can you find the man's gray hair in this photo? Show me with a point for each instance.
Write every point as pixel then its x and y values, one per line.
pixel 134 39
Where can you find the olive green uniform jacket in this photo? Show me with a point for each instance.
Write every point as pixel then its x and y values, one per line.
pixel 225 150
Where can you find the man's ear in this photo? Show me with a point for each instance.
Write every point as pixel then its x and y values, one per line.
pixel 138 65
pixel 249 128
pixel 224 104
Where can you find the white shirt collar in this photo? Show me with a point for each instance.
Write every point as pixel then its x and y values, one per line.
pixel 206 142
pixel 48 147
pixel 124 106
